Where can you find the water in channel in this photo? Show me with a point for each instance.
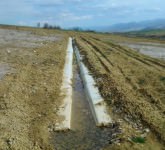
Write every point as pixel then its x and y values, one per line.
pixel 84 134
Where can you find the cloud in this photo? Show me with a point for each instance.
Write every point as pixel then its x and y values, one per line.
pixel 72 17
pixel 48 3
pixel 76 12
pixel 153 10
pixel 22 23
pixel 52 3
pixel 105 6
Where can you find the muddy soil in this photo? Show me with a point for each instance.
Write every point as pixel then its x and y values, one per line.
pixel 133 86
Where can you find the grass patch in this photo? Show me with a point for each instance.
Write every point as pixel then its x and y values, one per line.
pixel 162 79
pixel 141 81
pixel 139 140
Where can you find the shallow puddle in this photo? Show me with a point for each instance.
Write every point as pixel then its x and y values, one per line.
pixel 84 134
pixel 151 50
pixel 4 69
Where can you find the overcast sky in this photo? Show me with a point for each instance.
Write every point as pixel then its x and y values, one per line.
pixel 84 13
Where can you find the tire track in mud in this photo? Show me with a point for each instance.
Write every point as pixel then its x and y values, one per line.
pixel 146 61
pixel 134 86
pixel 147 95
pixel 101 57
pixel 129 52
pixel 98 50
pixel 139 105
pixel 106 61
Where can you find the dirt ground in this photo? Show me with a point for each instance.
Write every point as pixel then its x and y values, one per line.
pixel 133 86
pixel 31 62
pixel 31 68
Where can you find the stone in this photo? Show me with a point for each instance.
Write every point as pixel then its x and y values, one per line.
pixel 147 130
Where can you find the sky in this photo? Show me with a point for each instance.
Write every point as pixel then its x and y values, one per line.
pixel 79 13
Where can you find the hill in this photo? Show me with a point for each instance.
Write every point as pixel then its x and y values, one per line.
pixel 133 26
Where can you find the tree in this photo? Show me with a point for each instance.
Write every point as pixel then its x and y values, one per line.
pixel 77 29
pixel 46 25
pixel 38 25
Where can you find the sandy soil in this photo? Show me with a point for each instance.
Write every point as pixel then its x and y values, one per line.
pixel 29 95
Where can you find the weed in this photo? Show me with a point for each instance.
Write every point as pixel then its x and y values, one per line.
pixel 139 140
pixel 141 81
pixel 162 79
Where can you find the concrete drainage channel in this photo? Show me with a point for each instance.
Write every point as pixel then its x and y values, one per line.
pixel 83 109
pixel 66 91
pixel 96 102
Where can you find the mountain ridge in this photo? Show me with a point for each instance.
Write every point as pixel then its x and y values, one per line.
pixel 133 26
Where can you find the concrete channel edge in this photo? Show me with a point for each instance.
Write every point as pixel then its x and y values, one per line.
pixel 66 91
pixel 96 102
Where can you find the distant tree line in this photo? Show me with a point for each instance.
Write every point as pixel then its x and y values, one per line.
pixel 48 26
pixel 80 29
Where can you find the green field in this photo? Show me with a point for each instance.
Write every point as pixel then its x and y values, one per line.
pixel 156 33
